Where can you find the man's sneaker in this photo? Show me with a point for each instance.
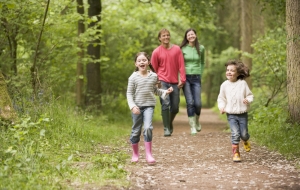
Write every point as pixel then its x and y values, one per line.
pixel 236 157
pixel 247 146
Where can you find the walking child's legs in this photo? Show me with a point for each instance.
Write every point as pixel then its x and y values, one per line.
pixel 234 128
pixel 243 119
pixel 148 127
pixel 137 120
pixel 147 117
pixel 239 130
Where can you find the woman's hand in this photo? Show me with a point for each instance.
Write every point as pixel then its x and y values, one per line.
pixel 136 110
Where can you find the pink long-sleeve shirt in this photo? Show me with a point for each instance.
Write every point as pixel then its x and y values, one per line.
pixel 168 63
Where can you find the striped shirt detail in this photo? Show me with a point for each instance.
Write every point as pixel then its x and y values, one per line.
pixel 141 90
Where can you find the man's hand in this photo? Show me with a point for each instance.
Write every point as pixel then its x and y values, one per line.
pixel 180 84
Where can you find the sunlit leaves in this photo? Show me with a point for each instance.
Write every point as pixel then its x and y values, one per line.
pixel 269 64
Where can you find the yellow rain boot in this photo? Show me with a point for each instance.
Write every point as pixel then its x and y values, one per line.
pixel 247 146
pixel 236 153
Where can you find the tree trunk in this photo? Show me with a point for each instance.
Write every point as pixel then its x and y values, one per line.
pixel 93 67
pixel 208 83
pixel 293 58
pixel 79 82
pixel 246 33
pixel 33 69
pixel 11 34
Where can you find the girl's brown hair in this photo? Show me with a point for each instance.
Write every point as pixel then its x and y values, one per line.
pixel 241 68
pixel 148 58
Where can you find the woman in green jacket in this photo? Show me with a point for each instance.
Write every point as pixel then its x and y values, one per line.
pixel 194 60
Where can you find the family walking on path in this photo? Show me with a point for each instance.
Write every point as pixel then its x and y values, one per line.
pixel 175 67
pixel 198 158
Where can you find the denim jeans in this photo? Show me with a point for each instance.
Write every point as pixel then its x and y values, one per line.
pixel 192 93
pixel 239 127
pixel 172 101
pixel 145 117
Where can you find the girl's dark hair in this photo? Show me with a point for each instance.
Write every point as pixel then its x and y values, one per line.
pixel 185 41
pixel 241 68
pixel 147 56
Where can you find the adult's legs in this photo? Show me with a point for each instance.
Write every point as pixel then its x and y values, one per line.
pixel 169 107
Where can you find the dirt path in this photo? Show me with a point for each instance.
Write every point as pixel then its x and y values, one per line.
pixel 204 161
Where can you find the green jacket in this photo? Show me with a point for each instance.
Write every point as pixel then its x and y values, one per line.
pixel 194 64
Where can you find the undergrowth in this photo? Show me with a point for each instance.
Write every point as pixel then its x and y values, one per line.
pixel 64 148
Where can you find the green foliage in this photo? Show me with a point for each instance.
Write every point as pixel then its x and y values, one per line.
pixel 214 74
pixel 64 146
pixel 129 27
pixel 277 6
pixel 269 128
pixel 269 66
pixel 201 13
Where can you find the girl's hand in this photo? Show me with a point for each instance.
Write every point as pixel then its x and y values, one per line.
pixel 245 101
pixel 222 111
pixel 135 110
pixel 169 90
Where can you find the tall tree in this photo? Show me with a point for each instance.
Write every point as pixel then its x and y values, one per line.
pixel 93 50
pixel 246 32
pixel 293 58
pixel 80 68
pixel 33 69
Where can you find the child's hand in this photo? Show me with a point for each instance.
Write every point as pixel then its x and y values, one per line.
pixel 158 84
pixel 135 110
pixel 245 101
pixel 222 111
pixel 169 90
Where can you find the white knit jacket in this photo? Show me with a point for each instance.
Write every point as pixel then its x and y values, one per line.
pixel 231 97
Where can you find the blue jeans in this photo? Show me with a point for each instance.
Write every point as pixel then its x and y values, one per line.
pixel 239 127
pixel 145 117
pixel 172 101
pixel 192 93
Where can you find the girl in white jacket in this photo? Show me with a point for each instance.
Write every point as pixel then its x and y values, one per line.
pixel 234 99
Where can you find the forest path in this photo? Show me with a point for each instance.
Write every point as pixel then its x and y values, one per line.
pixel 204 161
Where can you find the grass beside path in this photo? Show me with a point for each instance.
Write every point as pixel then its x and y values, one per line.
pixel 64 149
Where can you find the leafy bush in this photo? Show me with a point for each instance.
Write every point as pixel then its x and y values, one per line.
pixel 64 146
pixel 269 128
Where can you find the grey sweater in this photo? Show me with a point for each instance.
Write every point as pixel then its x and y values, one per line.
pixel 141 90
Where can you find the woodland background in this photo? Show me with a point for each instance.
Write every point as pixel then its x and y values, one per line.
pixel 66 63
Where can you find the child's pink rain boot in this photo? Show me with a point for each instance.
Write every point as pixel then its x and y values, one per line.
pixel 135 152
pixel 148 148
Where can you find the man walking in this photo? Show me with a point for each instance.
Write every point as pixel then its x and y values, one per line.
pixel 167 60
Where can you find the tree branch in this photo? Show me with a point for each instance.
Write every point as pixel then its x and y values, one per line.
pixel 33 68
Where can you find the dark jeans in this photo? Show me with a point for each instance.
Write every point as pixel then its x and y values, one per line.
pixel 192 93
